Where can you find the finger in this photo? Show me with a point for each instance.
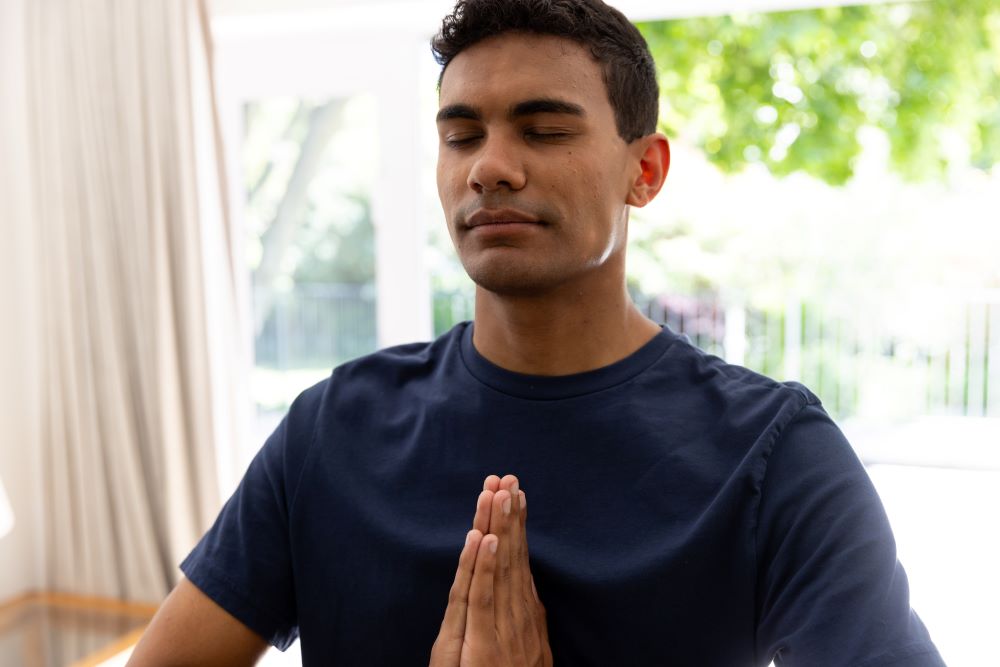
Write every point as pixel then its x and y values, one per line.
pixel 484 506
pixel 518 539
pixel 522 516
pixel 453 625
pixel 512 624
pixel 500 521
pixel 517 548
pixel 537 639
pixel 526 611
pixel 512 484
pixel 527 584
pixel 517 544
pixel 481 623
pixel 492 483
pixel 522 524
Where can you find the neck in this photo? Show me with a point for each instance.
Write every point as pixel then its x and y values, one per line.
pixel 571 329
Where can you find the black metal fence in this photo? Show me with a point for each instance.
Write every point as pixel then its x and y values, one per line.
pixel 317 325
pixel 851 366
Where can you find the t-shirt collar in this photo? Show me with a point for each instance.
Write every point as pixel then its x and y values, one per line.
pixel 544 387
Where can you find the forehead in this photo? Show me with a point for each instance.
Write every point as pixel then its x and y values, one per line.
pixel 516 66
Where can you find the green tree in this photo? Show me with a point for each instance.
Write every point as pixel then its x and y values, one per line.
pixel 791 89
pixel 308 222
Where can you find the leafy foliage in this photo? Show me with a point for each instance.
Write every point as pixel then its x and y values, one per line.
pixel 792 89
pixel 338 243
pixel 314 214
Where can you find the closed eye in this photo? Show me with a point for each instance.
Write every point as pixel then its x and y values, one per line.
pixel 547 135
pixel 460 140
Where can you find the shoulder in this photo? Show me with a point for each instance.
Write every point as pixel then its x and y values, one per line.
pixel 396 363
pixel 374 379
pixel 351 394
pixel 729 399
pixel 711 373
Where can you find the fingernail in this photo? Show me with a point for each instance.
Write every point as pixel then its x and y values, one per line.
pixel 492 546
pixel 468 537
pixel 506 506
pixel 524 501
pixel 513 490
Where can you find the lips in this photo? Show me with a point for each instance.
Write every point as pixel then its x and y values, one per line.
pixel 500 216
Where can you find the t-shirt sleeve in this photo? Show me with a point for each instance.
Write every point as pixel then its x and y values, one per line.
pixel 830 589
pixel 244 561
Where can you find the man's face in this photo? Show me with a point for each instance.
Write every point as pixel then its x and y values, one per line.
pixel 532 174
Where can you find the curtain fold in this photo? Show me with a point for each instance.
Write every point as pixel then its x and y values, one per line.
pixel 139 289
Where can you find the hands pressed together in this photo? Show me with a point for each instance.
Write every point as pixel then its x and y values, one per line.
pixel 494 616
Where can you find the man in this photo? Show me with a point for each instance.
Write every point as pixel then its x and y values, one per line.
pixel 683 511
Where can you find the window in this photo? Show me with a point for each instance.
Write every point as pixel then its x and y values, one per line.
pixel 308 173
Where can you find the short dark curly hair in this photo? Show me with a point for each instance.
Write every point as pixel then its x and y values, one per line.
pixel 629 72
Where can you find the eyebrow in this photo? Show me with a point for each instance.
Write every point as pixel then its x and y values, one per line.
pixel 519 110
pixel 454 111
pixel 545 105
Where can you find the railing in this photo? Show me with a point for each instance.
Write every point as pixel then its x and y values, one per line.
pixel 316 325
pixel 947 362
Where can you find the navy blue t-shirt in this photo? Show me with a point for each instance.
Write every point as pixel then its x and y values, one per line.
pixel 682 512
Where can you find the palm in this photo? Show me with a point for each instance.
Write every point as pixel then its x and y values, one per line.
pixel 494 620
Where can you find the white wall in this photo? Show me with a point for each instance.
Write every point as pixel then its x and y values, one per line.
pixel 20 560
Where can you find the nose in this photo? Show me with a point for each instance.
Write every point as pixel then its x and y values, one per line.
pixel 498 164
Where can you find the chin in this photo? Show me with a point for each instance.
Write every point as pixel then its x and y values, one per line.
pixel 507 279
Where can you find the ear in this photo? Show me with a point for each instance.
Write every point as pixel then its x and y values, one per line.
pixel 653 153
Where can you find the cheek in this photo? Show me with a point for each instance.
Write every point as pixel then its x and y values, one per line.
pixel 599 195
pixel 442 178
pixel 446 195
pixel 604 204
pixel 448 184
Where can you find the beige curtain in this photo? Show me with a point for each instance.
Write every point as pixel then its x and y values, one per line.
pixel 130 206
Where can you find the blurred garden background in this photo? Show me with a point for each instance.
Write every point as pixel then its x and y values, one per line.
pixel 832 214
